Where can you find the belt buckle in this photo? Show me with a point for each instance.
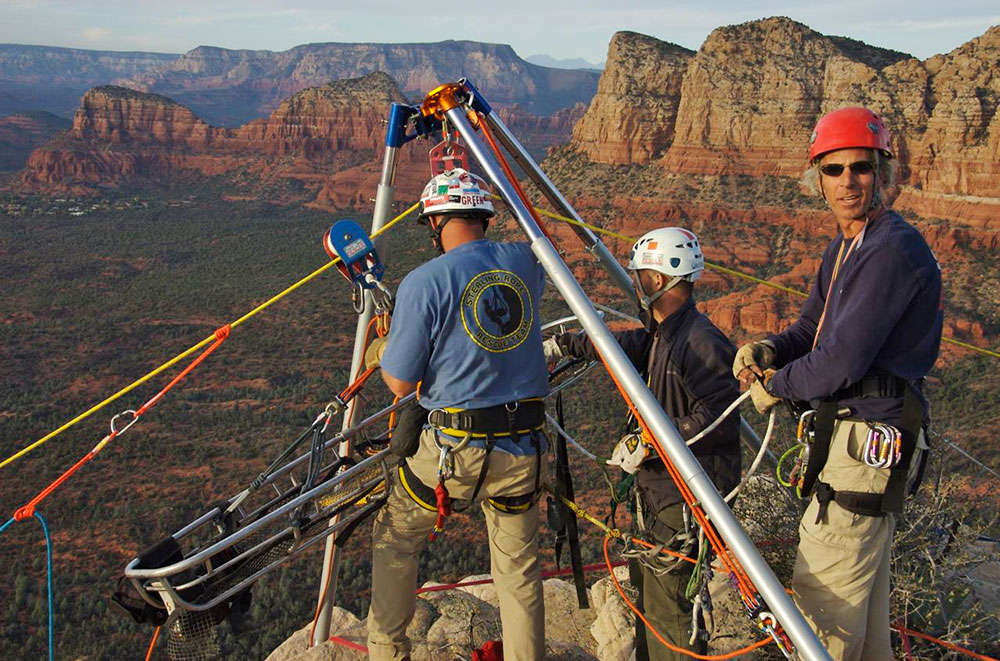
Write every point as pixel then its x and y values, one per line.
pixel 430 415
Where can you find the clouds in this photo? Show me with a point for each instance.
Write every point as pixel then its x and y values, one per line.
pixel 561 28
pixel 95 34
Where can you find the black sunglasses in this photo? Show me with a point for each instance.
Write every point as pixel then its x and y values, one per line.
pixel 836 169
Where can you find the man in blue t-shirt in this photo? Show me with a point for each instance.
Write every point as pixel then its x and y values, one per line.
pixel 465 330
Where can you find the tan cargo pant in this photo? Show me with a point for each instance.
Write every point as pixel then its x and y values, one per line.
pixel 841 575
pixel 400 533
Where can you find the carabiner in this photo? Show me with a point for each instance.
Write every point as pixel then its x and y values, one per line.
pixel 119 432
pixel 805 426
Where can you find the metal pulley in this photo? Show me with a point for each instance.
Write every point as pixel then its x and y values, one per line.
pixel 359 263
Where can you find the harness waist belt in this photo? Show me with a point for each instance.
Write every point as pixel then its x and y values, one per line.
pixel 522 416
pixel 874 385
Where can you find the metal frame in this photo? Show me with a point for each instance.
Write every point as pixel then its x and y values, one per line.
pixel 452 102
pixel 207 563
pixel 384 198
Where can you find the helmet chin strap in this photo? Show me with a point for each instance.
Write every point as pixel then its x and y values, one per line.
pixel 646 300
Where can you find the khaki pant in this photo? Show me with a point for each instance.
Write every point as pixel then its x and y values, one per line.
pixel 400 533
pixel 841 575
pixel 661 596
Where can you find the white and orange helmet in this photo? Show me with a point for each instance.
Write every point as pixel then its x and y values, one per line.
pixel 672 251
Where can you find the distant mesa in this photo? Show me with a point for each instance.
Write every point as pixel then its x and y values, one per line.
pixel 568 63
pixel 743 105
pixel 23 132
pixel 53 79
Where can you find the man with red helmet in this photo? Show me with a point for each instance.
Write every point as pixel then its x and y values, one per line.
pixel 855 360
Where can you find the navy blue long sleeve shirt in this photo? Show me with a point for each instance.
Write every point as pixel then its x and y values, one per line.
pixel 884 317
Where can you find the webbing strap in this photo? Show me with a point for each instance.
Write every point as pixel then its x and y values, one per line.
pixel 910 424
pixel 826 417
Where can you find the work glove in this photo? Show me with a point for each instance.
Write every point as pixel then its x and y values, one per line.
pixel 630 452
pixel 373 354
pixel 553 352
pixel 763 400
pixel 755 357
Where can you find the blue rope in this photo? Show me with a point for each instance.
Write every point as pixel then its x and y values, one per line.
pixel 48 576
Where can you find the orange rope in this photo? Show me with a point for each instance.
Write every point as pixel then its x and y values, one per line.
pixel 28 510
pixel 652 629
pixel 952 646
pixel 152 644
pixel 476 121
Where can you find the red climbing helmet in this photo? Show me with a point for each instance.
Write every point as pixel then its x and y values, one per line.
pixel 847 128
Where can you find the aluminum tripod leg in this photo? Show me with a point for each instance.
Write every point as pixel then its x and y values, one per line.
pixel 593 243
pixel 778 602
pixel 331 555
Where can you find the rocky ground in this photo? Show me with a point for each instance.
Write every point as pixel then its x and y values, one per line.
pixel 451 624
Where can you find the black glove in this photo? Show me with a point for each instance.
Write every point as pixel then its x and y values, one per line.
pixel 410 421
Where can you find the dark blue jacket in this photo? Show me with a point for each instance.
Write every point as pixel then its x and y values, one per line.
pixel 884 317
pixel 691 376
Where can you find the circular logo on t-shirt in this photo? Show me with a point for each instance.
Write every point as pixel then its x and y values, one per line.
pixel 496 310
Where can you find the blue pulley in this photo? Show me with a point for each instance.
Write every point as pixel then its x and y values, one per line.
pixel 359 259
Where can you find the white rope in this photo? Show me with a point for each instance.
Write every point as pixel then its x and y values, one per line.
pixel 572 441
pixel 760 456
pixel 718 421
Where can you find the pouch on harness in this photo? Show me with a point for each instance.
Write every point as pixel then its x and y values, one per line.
pixel 911 423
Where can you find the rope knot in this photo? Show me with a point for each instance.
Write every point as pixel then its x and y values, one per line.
pixel 25 512
pixel 222 332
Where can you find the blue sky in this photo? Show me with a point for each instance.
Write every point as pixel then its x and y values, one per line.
pixel 561 28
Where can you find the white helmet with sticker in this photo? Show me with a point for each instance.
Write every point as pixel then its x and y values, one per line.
pixel 672 251
pixel 456 192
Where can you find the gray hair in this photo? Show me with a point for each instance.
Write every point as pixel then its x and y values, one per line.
pixel 886 168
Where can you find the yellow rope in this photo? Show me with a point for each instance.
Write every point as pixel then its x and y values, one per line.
pixel 317 272
pixel 584 514
pixel 173 361
pixel 723 269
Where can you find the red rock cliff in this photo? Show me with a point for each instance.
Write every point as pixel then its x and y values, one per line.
pixel 119 134
pixel 748 100
pixel 632 116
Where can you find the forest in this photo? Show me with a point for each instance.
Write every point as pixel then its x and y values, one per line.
pixel 93 301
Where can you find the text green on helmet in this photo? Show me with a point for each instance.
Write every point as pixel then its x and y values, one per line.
pixel 673 251
pixel 454 194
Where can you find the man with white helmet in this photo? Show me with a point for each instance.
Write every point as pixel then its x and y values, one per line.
pixel 685 360
pixel 856 357
pixel 466 330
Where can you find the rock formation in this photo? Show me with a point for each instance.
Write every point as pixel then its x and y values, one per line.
pixel 119 135
pixel 22 132
pixel 451 624
pixel 747 101
pixel 632 116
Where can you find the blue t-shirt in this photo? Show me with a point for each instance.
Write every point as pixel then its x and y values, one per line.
pixel 466 324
